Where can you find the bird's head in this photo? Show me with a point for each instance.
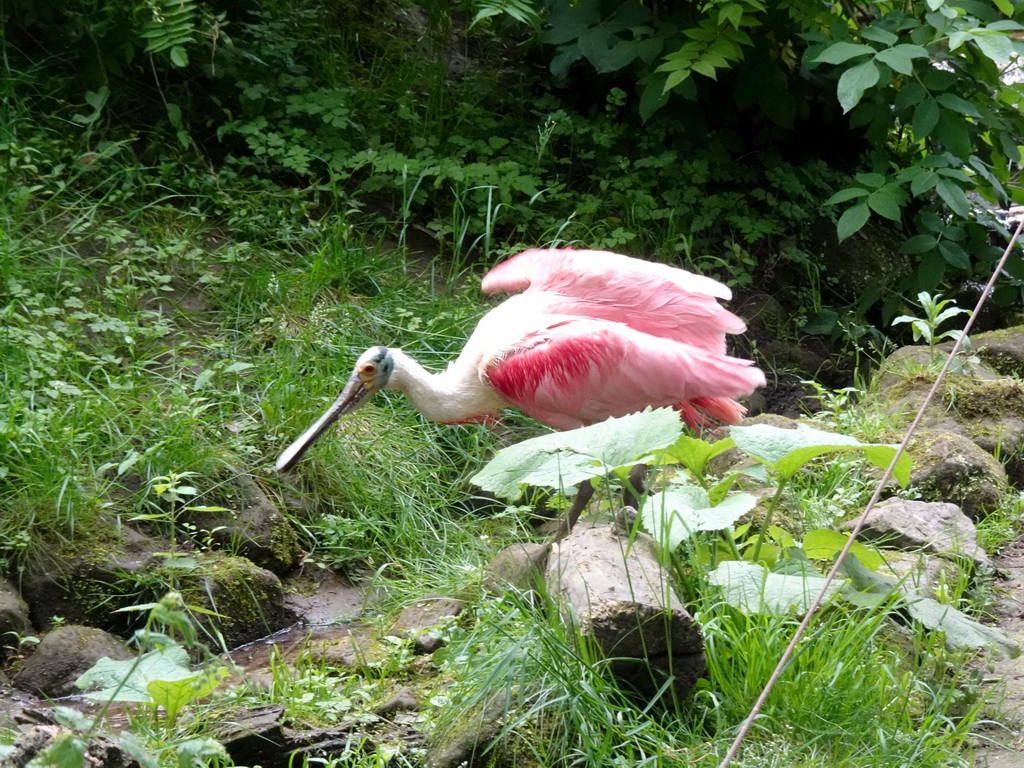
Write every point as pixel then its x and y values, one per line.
pixel 371 374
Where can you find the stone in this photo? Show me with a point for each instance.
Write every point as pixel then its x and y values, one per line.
pixel 404 700
pixel 252 528
pixel 937 527
pixel 918 574
pixel 63 655
pixel 248 599
pixel 1002 350
pixel 949 467
pixel 424 614
pixel 69 581
pixel 14 622
pixel 614 589
pixel 101 751
pixel 467 744
pixel 519 567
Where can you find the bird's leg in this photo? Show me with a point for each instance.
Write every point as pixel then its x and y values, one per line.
pixel 583 496
pixel 636 486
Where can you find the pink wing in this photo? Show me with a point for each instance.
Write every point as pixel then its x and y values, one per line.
pixel 577 371
pixel 652 298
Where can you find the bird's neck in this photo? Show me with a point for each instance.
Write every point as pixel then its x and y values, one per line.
pixel 453 396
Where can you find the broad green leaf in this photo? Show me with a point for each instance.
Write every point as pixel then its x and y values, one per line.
pixel 888 201
pixel 955 255
pixel 654 96
pixel 923 183
pixel 752 588
pixel 996 46
pixel 694 453
pixel 879 35
pixel 837 53
pixel 954 197
pixel 821 323
pixel 870 180
pixel 901 57
pixel 563 459
pixel 173 695
pixel 679 511
pixel 852 220
pixel 918 244
pixel 846 194
pixel 823 544
pixel 957 104
pixel 854 82
pixel 136 674
pixel 926 117
pixel 787 450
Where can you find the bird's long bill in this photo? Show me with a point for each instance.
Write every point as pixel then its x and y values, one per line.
pixel 354 395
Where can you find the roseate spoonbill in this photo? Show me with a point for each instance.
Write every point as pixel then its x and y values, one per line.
pixel 592 335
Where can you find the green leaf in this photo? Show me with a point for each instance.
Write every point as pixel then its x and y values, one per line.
pixel 654 96
pixel 955 255
pixel 957 104
pixel 679 511
pixel 128 680
pixel 852 220
pixel 753 589
pixel 926 117
pixel 694 453
pixel 879 35
pixel 961 631
pixel 787 450
pixel 918 244
pixel 823 544
pixel 888 201
pixel 564 459
pixel 821 323
pixel 901 57
pixel 923 183
pixel 954 197
pixel 854 82
pixel 843 195
pixel 837 53
pixel 174 695
pixel 179 57
pixel 996 46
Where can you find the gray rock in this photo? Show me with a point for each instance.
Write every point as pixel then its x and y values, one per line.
pixel 63 655
pixel 424 614
pixel 615 590
pixel 404 700
pixel 519 566
pixel 936 527
pixel 918 574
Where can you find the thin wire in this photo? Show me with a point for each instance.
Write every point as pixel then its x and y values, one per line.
pixel 816 603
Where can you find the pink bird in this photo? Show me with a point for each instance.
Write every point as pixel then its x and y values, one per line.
pixel 592 335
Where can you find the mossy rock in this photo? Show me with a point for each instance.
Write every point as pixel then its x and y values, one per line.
pixel 981 406
pixel 73 581
pixel 251 526
pixel 1002 350
pixel 950 467
pixel 249 600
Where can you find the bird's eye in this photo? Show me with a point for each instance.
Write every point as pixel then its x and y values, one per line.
pixel 369 368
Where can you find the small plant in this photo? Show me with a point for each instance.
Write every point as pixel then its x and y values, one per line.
pixel 936 314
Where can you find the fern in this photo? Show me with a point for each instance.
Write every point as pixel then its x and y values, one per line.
pixel 170 27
